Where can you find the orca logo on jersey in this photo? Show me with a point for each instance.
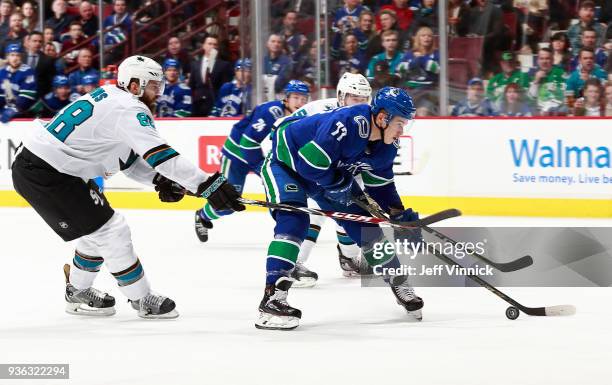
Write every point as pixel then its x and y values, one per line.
pixel 364 126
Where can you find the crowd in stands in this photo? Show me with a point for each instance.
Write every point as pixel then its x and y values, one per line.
pixel 537 57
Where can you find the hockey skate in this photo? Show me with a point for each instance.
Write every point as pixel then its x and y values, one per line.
pixel 153 306
pixel 303 277
pixel 406 297
pixel 274 311
pixel 352 267
pixel 202 226
pixel 90 301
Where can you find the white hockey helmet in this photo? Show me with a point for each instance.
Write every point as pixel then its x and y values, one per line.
pixel 142 69
pixel 354 84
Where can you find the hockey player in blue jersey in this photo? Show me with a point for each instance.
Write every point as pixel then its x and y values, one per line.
pixel 17 85
pixel 242 152
pixel 316 157
pixel 234 96
pixel 51 103
pixel 176 100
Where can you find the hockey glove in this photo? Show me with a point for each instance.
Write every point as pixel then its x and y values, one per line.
pixel 168 190
pixel 411 235
pixel 220 194
pixel 341 191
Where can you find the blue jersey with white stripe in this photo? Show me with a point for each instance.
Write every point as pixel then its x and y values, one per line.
pixel 322 147
pixel 18 88
pixel 244 141
pixel 230 99
pixel 175 102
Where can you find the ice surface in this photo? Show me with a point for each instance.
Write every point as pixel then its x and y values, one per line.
pixel 348 334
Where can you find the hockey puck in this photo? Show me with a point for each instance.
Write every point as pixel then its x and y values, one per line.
pixel 512 313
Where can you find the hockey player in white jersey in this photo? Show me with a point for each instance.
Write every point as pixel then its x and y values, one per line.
pixel 351 89
pixel 108 130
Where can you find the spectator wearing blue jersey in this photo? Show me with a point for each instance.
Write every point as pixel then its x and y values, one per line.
pixel 51 103
pixel 17 85
pixel 295 42
pixel 242 151
pixel 84 60
pixel 347 16
pixel 277 65
pixel 176 99
pixel 86 84
pixel 475 103
pixel 235 97
pixel 589 40
pixel 16 32
pixel 120 16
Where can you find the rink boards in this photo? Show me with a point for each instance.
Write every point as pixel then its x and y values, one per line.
pixel 518 167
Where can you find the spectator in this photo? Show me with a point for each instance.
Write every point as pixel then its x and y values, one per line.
pixel 85 85
pixel 276 64
pixel 88 19
pixel 390 54
pixel 457 9
pixel 180 54
pixel 43 65
pixel 475 103
pixel 561 54
pixel 586 15
pixel 591 103
pixel 511 104
pixel 16 32
pixel 75 37
pixel 6 10
pixel 120 16
pixel 608 108
pixel 485 19
pixel 84 61
pixel 588 39
pixel 17 85
pixel 347 17
pixel 349 59
pixel 382 77
pixel 30 15
pixel 533 22
pixel 402 11
pixel 426 16
pixel 48 35
pixel 511 73
pixel 295 42
pixel 365 31
pixel 420 66
pixel 235 97
pixel 176 100
pixel 60 21
pixel 388 22
pixel 52 102
pixel 548 85
pixel 208 73
pixel 587 69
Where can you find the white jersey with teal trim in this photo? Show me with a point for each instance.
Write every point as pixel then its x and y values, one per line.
pixel 106 131
pixel 317 107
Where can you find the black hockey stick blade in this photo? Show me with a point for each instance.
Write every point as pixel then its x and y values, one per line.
pixel 518 264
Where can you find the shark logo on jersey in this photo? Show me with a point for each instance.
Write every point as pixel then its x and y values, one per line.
pixel 364 126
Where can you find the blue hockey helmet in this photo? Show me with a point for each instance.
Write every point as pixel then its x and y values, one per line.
pixel 89 80
pixel 171 63
pixel 243 64
pixel 297 87
pixel 395 102
pixel 15 47
pixel 60 81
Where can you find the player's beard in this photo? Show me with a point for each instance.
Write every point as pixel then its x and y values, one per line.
pixel 149 103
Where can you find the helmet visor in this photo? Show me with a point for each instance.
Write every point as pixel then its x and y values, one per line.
pixel 155 86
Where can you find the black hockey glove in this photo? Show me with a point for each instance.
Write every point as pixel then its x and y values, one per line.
pixel 411 235
pixel 168 190
pixel 220 194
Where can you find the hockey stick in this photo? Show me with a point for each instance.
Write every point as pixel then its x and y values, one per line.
pixel 439 216
pixel 557 310
pixel 368 204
